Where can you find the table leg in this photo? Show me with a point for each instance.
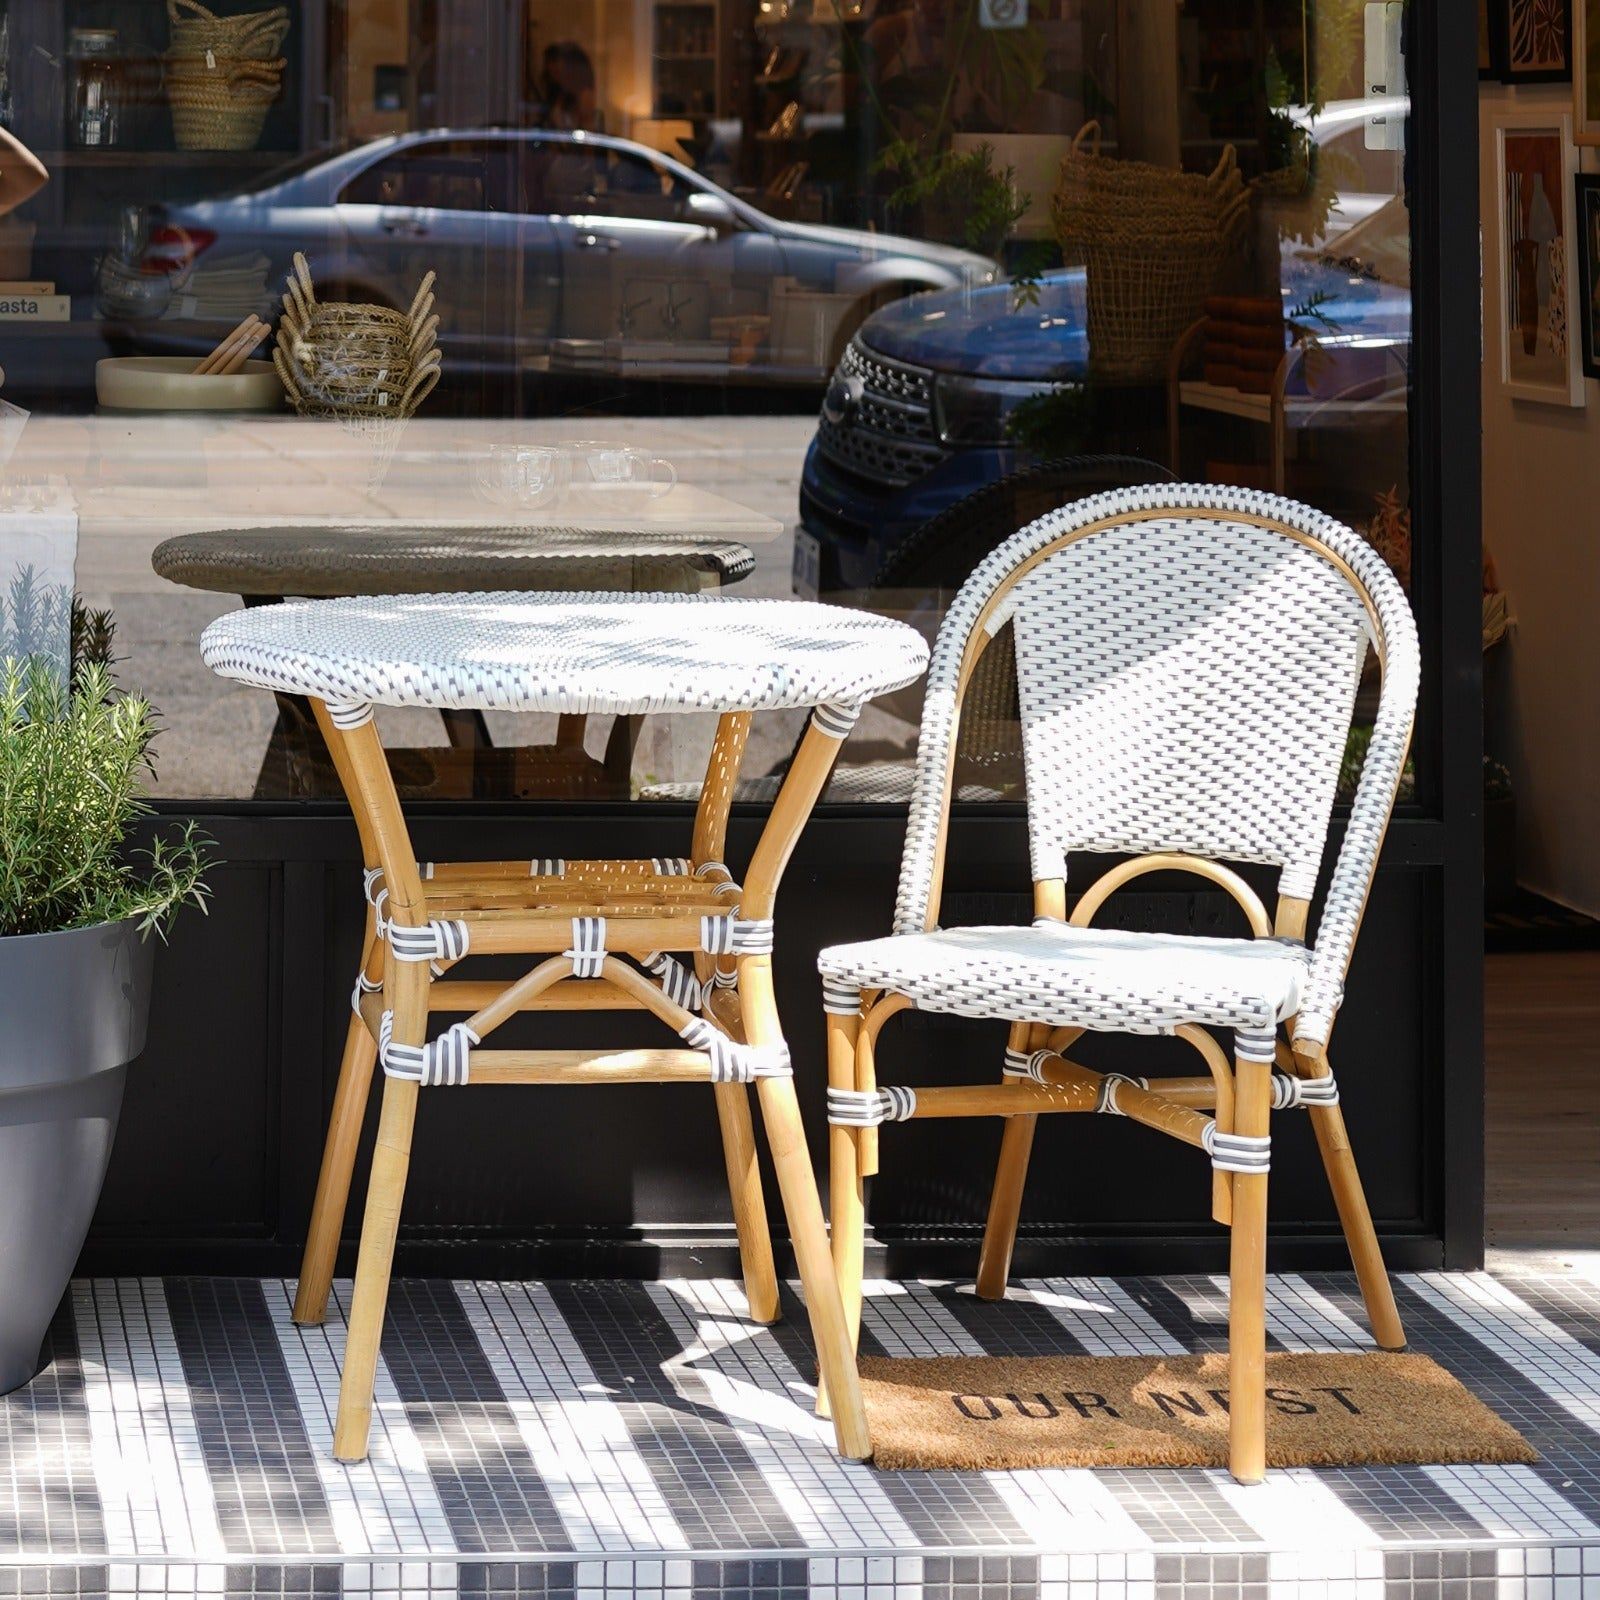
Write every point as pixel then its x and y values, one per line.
pixel 370 786
pixel 749 1205
pixel 780 1107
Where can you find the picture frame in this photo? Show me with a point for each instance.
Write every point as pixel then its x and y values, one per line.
pixel 1586 289
pixel 1536 38
pixel 1491 46
pixel 1586 72
pixel 1536 337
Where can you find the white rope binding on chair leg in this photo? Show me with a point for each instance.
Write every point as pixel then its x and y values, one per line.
pixel 364 985
pixel 1237 1152
pixel 1018 1064
pixel 678 983
pixel 433 941
pixel 1255 1046
pixel 836 719
pixel 732 1062
pixel 866 1108
pixel 841 997
pixel 373 887
pixel 588 952
pixel 445 1063
pixel 1289 1091
pixel 732 936
pixel 345 715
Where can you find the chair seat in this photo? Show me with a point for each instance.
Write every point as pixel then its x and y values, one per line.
pixel 623 654
pixel 1067 977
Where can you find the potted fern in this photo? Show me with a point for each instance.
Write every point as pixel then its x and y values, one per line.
pixel 77 908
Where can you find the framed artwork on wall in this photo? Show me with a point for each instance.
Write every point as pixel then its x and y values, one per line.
pixel 1586 71
pixel 1536 36
pixel 1587 288
pixel 1491 45
pixel 1535 330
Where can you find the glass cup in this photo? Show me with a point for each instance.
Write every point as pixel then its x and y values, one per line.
pixel 625 476
pixel 523 476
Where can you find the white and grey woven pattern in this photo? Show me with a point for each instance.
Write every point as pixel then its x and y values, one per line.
pixel 1099 978
pixel 630 654
pixel 1186 683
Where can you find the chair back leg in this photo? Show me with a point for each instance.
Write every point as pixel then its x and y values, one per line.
pixel 1356 1219
pixel 1010 1178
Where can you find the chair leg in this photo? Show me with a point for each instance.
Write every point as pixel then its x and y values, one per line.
pixel 749 1208
pixel 780 1111
pixel 1351 1201
pixel 847 1218
pixel 333 1181
pixel 1005 1200
pixel 1247 1293
pixel 406 990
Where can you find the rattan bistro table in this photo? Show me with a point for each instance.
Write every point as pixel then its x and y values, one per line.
pixel 264 564
pixel 682 939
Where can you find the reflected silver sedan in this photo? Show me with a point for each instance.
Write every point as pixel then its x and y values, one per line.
pixel 559 252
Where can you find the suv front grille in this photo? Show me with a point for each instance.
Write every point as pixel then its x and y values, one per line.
pixel 884 431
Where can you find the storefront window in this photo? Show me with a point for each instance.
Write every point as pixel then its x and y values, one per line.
pixel 822 297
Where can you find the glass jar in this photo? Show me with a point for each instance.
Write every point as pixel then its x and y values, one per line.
pixel 94 89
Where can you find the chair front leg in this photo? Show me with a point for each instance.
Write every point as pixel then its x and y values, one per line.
pixel 1247 1293
pixel 333 1181
pixel 847 1212
pixel 1010 1178
pixel 1350 1199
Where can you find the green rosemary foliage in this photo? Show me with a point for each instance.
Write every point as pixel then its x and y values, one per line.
pixel 73 764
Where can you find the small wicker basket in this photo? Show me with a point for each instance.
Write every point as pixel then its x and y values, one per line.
pixel 367 367
pixel 1154 241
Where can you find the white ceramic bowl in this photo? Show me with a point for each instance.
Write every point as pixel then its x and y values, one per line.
pixel 169 383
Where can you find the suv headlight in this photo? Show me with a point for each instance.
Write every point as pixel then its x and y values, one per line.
pixel 977 410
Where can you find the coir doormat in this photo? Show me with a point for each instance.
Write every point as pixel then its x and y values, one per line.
pixel 1358 1409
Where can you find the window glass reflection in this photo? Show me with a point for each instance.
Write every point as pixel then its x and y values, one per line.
pixel 817 297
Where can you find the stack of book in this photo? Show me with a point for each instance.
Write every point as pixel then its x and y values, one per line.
pixel 33 300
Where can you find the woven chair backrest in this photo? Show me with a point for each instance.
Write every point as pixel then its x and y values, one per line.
pixel 1187 660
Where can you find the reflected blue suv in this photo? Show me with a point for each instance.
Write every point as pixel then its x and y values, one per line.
pixel 920 409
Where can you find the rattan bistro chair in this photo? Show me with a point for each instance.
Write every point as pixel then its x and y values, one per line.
pixel 1187 660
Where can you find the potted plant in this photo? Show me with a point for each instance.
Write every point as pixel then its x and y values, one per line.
pixel 77 906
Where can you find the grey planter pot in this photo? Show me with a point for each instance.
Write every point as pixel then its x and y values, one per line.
pixel 75 1006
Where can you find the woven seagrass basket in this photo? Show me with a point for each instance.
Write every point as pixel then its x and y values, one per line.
pixel 222 74
pixel 224 108
pixel 194 30
pixel 1153 241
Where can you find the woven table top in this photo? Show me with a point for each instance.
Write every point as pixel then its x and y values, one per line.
pixel 621 653
pixel 375 558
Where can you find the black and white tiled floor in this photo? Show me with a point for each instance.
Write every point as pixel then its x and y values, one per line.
pixel 643 1441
